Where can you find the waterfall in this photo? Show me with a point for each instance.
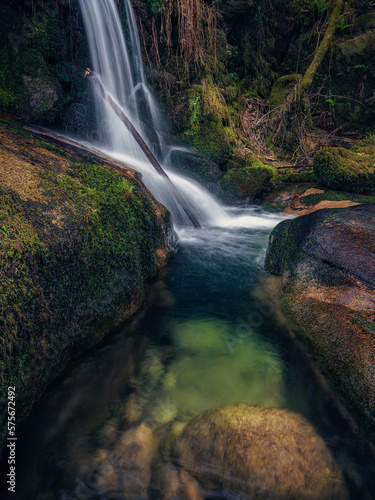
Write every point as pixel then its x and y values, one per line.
pixel 117 59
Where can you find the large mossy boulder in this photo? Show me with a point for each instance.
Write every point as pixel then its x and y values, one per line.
pixel 78 243
pixel 326 261
pixel 347 170
pixel 249 182
pixel 254 452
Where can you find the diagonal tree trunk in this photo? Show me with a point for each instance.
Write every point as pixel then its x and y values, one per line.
pixel 323 47
pixel 150 156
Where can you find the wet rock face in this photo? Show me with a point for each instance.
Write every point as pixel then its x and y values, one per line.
pixel 255 452
pixel 79 118
pixel 327 264
pixel 42 95
pixel 196 167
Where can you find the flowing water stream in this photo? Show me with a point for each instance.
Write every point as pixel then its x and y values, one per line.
pixel 209 334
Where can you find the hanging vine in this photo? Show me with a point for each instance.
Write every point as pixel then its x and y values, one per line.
pixel 194 23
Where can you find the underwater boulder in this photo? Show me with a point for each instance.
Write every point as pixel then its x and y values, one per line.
pixel 255 452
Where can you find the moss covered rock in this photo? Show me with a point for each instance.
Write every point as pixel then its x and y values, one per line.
pixel 347 170
pixel 282 88
pixel 352 70
pixel 209 121
pixel 248 182
pixel 327 264
pixel 254 452
pixel 43 56
pixel 78 242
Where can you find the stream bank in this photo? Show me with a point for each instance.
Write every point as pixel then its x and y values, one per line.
pixel 326 263
pixel 206 338
pixel 79 243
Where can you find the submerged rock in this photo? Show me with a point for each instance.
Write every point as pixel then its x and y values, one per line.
pixel 327 264
pixel 258 453
pixel 125 471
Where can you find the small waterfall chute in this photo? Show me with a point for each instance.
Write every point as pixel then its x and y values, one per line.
pixel 121 113
pixel 117 62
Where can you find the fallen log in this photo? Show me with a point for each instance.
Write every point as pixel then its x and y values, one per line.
pixel 73 146
pixel 89 75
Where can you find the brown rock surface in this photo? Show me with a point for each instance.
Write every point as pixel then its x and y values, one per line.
pixel 327 264
pixel 259 453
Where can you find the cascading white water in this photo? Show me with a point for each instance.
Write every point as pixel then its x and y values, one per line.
pixel 117 60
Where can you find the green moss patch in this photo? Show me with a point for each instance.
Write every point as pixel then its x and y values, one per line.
pixel 292 177
pixel 209 127
pixel 282 88
pixel 68 266
pixel 247 182
pixel 347 170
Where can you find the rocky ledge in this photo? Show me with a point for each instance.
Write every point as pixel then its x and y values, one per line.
pixel 326 261
pixel 79 240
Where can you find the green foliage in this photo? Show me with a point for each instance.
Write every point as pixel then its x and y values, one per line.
pixel 126 187
pixel 322 6
pixel 362 67
pixel 347 170
pixel 331 100
pixel 156 5
pixel 234 77
pixel 342 26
